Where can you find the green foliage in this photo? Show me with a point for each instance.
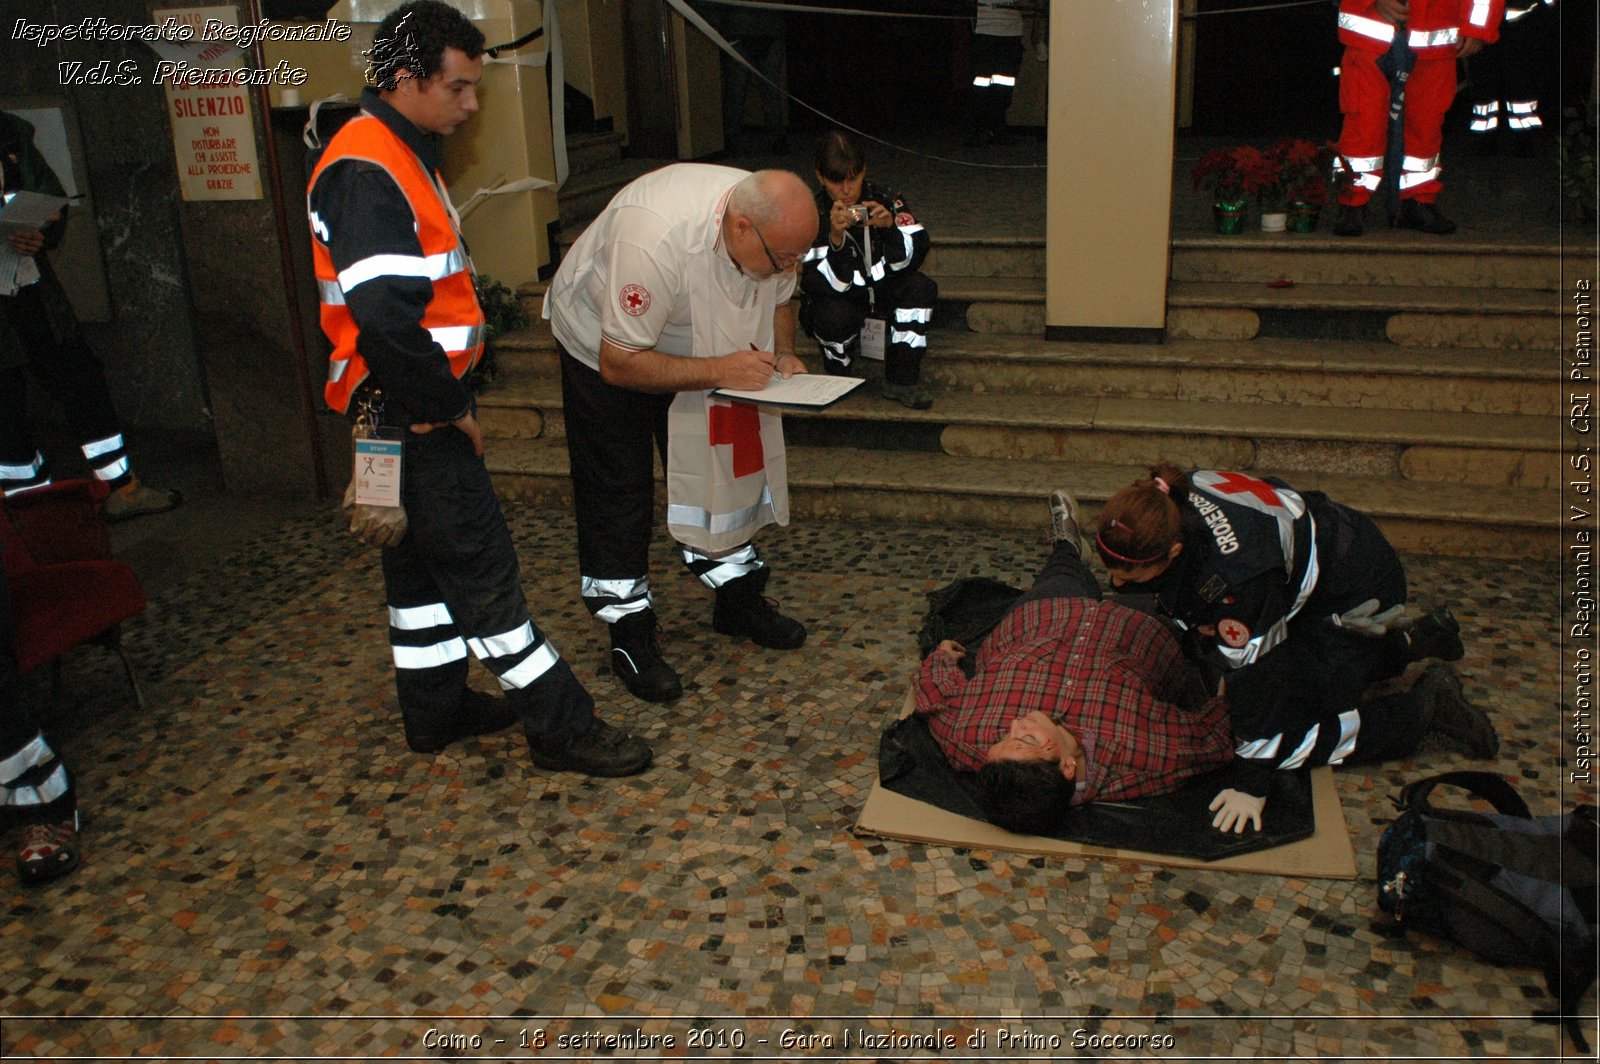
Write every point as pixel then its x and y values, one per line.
pixel 502 313
pixel 1577 163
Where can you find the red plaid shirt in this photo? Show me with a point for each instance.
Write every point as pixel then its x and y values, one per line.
pixel 1109 674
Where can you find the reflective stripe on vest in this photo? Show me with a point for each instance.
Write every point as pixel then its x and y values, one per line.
pixel 1377 29
pixel 452 318
pixel 1420 39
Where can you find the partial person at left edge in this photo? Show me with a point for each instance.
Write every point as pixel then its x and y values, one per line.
pixel 400 307
pixel 39 333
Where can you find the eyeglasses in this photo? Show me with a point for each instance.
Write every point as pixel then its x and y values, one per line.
pixel 777 267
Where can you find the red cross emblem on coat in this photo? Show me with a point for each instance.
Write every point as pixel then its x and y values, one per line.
pixel 739 426
pixel 1239 484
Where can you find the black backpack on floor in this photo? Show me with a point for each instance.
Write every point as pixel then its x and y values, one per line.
pixel 1514 888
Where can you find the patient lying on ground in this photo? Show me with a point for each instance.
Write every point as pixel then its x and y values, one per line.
pixel 1073 700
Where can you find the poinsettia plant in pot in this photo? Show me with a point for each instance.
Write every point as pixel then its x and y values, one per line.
pixel 1303 179
pixel 1233 176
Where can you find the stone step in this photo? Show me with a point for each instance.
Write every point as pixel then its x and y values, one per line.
pixel 585 194
pixel 1402 259
pixel 1410 315
pixel 1302 372
pixel 592 151
pixel 985 257
pixel 1405 259
pixel 990 304
pixel 1349 376
pixel 946 490
pixel 1507 450
pixel 531 298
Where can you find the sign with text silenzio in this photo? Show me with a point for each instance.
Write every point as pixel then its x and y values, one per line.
pixel 213 132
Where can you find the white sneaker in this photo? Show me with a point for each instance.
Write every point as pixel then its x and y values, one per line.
pixel 133 499
pixel 1064 521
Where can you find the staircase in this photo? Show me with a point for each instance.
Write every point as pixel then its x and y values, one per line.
pixel 1409 377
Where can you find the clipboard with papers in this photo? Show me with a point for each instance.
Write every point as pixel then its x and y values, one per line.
pixel 803 391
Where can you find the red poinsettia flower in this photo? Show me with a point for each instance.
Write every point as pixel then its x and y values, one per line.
pixel 1305 168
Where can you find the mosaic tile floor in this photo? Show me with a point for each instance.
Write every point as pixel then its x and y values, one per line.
pixel 270 872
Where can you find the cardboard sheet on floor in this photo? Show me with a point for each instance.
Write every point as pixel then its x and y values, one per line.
pixel 1310 838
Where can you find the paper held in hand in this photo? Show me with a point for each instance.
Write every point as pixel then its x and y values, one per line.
pixel 23 212
pixel 803 391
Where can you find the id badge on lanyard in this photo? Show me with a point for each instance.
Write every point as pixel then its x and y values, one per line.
pixel 379 453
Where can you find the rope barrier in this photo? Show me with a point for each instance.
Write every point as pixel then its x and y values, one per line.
pixel 776 5
pixel 698 22
pixel 816 9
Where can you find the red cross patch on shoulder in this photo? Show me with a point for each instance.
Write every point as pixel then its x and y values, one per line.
pixel 1234 633
pixel 635 299
pixel 904 218
pixel 1258 495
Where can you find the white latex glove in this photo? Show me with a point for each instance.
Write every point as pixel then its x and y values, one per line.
pixel 1234 809
pixel 1366 620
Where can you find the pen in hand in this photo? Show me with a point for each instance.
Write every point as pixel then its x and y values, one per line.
pixel 776 372
pixel 773 363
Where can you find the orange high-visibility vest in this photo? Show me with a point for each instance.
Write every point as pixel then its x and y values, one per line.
pixel 453 317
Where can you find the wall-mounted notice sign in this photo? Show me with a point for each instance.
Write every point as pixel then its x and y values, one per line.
pixel 208 102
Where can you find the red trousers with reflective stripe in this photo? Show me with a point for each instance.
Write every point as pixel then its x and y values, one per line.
pixel 1364 100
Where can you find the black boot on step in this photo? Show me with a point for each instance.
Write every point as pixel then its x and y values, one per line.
pixel 1424 217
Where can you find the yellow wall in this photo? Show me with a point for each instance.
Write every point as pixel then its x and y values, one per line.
pixel 610 77
pixel 699 76
pixel 592 50
pixel 1108 219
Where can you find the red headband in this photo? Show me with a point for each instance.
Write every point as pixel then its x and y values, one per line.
pixel 1107 552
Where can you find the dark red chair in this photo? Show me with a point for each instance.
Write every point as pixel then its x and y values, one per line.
pixel 65 588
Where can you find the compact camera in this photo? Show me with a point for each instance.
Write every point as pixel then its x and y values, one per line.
pixel 859 213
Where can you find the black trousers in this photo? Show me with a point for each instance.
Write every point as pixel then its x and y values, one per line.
pixel 988 103
pixel 613 437
pixel 1064 575
pixel 35 786
pixel 63 363
pixel 905 300
pixel 1514 83
pixel 1310 692
pixel 454 583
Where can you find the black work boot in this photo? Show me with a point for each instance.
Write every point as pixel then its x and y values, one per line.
pixel 1350 221
pixel 1447 715
pixel 601 750
pixel 478 714
pixel 742 609
pixel 1425 217
pixel 636 658
pixel 1436 635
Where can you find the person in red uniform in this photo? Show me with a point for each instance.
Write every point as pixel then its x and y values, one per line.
pixel 1438 32
pixel 1073 700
